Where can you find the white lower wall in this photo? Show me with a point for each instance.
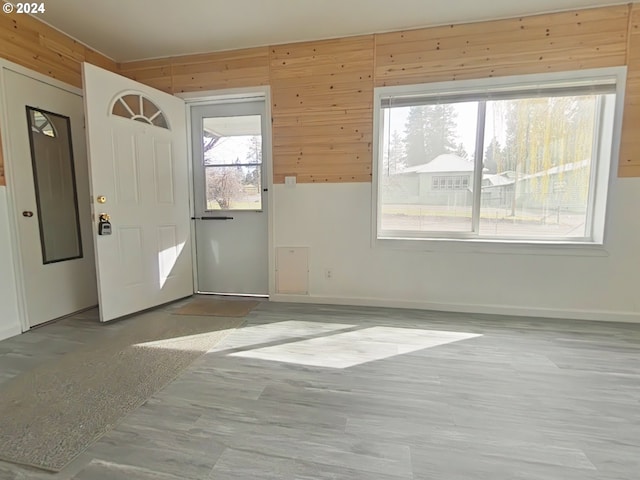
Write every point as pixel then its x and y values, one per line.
pixel 9 320
pixel 334 221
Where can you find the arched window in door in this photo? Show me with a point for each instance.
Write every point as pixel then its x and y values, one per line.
pixel 139 108
pixel 40 123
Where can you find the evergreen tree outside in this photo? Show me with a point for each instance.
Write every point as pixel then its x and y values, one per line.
pixel 493 158
pixel 430 131
pixel 394 157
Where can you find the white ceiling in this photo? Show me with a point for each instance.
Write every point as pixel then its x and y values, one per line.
pixel 134 29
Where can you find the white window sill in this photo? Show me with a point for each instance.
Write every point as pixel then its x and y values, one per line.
pixel 497 247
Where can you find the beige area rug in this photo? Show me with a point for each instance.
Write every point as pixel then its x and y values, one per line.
pixel 51 414
pixel 216 307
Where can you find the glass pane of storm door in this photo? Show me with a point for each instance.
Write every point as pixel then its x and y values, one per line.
pixel 232 148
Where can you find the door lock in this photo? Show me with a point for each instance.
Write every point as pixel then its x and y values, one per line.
pixel 104 224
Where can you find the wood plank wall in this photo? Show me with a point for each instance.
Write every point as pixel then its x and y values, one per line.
pixel 545 43
pixel 322 107
pixel 239 68
pixel 630 146
pixel 322 91
pixel 29 42
pixel 573 40
pixel 322 95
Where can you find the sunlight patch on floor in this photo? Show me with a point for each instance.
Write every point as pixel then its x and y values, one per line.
pixel 344 350
pixel 277 332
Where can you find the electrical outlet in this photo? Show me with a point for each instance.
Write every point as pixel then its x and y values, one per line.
pixel 328 273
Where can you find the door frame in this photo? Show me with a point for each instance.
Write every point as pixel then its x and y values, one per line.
pixel 16 249
pixel 213 97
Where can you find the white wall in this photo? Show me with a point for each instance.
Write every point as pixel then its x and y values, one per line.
pixel 9 321
pixel 334 220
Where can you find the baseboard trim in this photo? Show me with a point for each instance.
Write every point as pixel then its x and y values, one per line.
pixel 10 332
pixel 592 315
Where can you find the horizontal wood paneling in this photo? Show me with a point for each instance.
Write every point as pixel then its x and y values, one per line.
pixel 28 42
pixel 211 71
pixel 630 145
pixel 322 107
pixel 322 91
pixel 33 44
pixel 544 43
pixel 575 40
pixel 156 74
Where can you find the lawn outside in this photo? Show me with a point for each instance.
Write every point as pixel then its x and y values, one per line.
pixel 493 221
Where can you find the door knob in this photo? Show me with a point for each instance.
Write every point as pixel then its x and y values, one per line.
pixel 27 214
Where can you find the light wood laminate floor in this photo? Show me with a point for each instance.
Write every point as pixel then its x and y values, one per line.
pixel 328 392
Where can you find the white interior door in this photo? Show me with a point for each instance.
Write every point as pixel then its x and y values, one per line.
pixel 139 170
pixel 230 187
pixel 50 185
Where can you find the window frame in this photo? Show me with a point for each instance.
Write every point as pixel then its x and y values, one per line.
pixel 603 173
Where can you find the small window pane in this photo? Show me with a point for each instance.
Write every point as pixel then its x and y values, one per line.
pixel 148 108
pixel 160 121
pixel 538 158
pixel 232 159
pixel 120 109
pixel 232 140
pixel 55 185
pixel 233 188
pixel 424 148
pixel 133 102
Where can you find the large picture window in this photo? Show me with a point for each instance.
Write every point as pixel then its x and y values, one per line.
pixel 520 159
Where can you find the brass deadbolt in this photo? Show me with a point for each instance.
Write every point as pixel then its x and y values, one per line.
pixel 102 199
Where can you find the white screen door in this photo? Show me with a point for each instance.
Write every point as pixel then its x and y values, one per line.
pixel 230 187
pixel 139 177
